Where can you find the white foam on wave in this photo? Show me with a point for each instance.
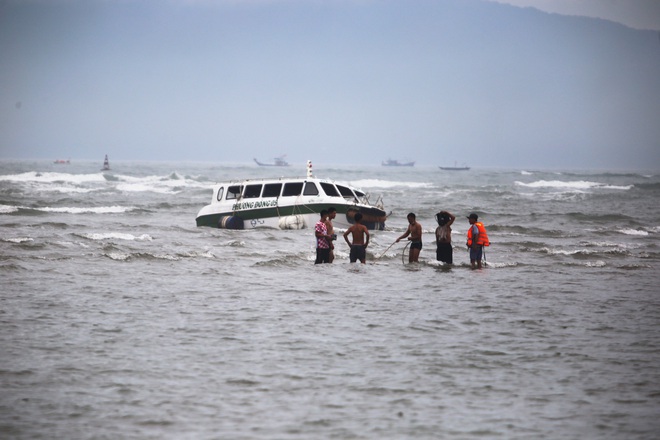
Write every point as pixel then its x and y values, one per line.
pixel 629 231
pixel 169 184
pixel 89 210
pixel 525 173
pixel 118 256
pixel 17 239
pixel 377 183
pixel 579 185
pixel 33 176
pixel 84 183
pixel 117 236
pixel 69 189
pixel 8 209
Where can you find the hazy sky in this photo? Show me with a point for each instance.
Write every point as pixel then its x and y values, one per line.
pixel 343 81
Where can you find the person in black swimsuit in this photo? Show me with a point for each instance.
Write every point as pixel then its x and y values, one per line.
pixel 444 251
pixel 414 234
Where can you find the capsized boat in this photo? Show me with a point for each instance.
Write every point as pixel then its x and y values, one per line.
pixel 288 203
pixel 396 163
pixel 277 162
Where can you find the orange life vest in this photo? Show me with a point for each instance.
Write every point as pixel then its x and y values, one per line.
pixel 482 238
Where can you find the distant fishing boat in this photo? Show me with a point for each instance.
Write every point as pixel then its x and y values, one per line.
pixel 62 161
pixel 396 163
pixel 455 168
pixel 277 162
pixel 106 164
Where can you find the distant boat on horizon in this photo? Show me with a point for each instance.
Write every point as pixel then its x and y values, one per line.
pixel 277 162
pixel 455 168
pixel 106 164
pixel 62 161
pixel 396 163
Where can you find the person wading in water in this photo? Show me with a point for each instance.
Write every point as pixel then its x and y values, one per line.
pixel 444 251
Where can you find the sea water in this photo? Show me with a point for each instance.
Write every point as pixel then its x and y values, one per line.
pixel 119 318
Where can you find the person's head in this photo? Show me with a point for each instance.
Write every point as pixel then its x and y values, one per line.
pixel 324 214
pixel 442 218
pixel 332 212
pixel 358 217
pixel 411 218
pixel 472 218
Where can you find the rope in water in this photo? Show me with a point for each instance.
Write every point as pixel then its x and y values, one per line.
pixel 403 254
pixel 388 248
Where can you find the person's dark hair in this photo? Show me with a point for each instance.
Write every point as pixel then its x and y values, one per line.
pixel 412 214
pixel 442 218
pixel 324 213
pixel 332 209
pixel 358 217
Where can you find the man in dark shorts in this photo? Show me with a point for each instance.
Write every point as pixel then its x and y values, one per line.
pixel 444 251
pixel 359 245
pixel 415 232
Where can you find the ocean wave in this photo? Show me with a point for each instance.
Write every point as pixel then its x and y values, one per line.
pixel 628 231
pixel 17 239
pixel 116 235
pixel 377 183
pixel 88 210
pixel 69 190
pixel 581 252
pixel 195 254
pixel 172 183
pixel 122 256
pixel 580 185
pixel 35 176
pixel 8 209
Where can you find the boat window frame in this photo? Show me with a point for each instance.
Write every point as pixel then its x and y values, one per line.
pixel 221 192
pixel 362 196
pixel 234 195
pixel 248 191
pixel 347 194
pixel 295 192
pixel 327 185
pixel 310 185
pixel 267 193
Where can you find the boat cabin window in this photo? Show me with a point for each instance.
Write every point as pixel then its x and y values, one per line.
pixel 292 189
pixel 310 189
pixel 362 196
pixel 234 192
pixel 329 189
pixel 272 190
pixel 346 192
pixel 221 191
pixel 252 191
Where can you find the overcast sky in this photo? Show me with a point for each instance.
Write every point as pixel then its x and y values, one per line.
pixel 344 81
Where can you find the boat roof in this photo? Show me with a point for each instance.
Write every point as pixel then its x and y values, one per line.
pixel 281 179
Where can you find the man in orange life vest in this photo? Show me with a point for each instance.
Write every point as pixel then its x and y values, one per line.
pixel 477 238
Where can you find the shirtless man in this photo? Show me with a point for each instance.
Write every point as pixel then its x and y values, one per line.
pixel 415 232
pixel 359 245
pixel 444 250
pixel 332 213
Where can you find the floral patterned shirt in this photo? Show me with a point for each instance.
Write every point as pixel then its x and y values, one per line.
pixel 321 242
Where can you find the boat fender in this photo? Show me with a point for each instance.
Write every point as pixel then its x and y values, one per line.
pixel 292 222
pixel 230 222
